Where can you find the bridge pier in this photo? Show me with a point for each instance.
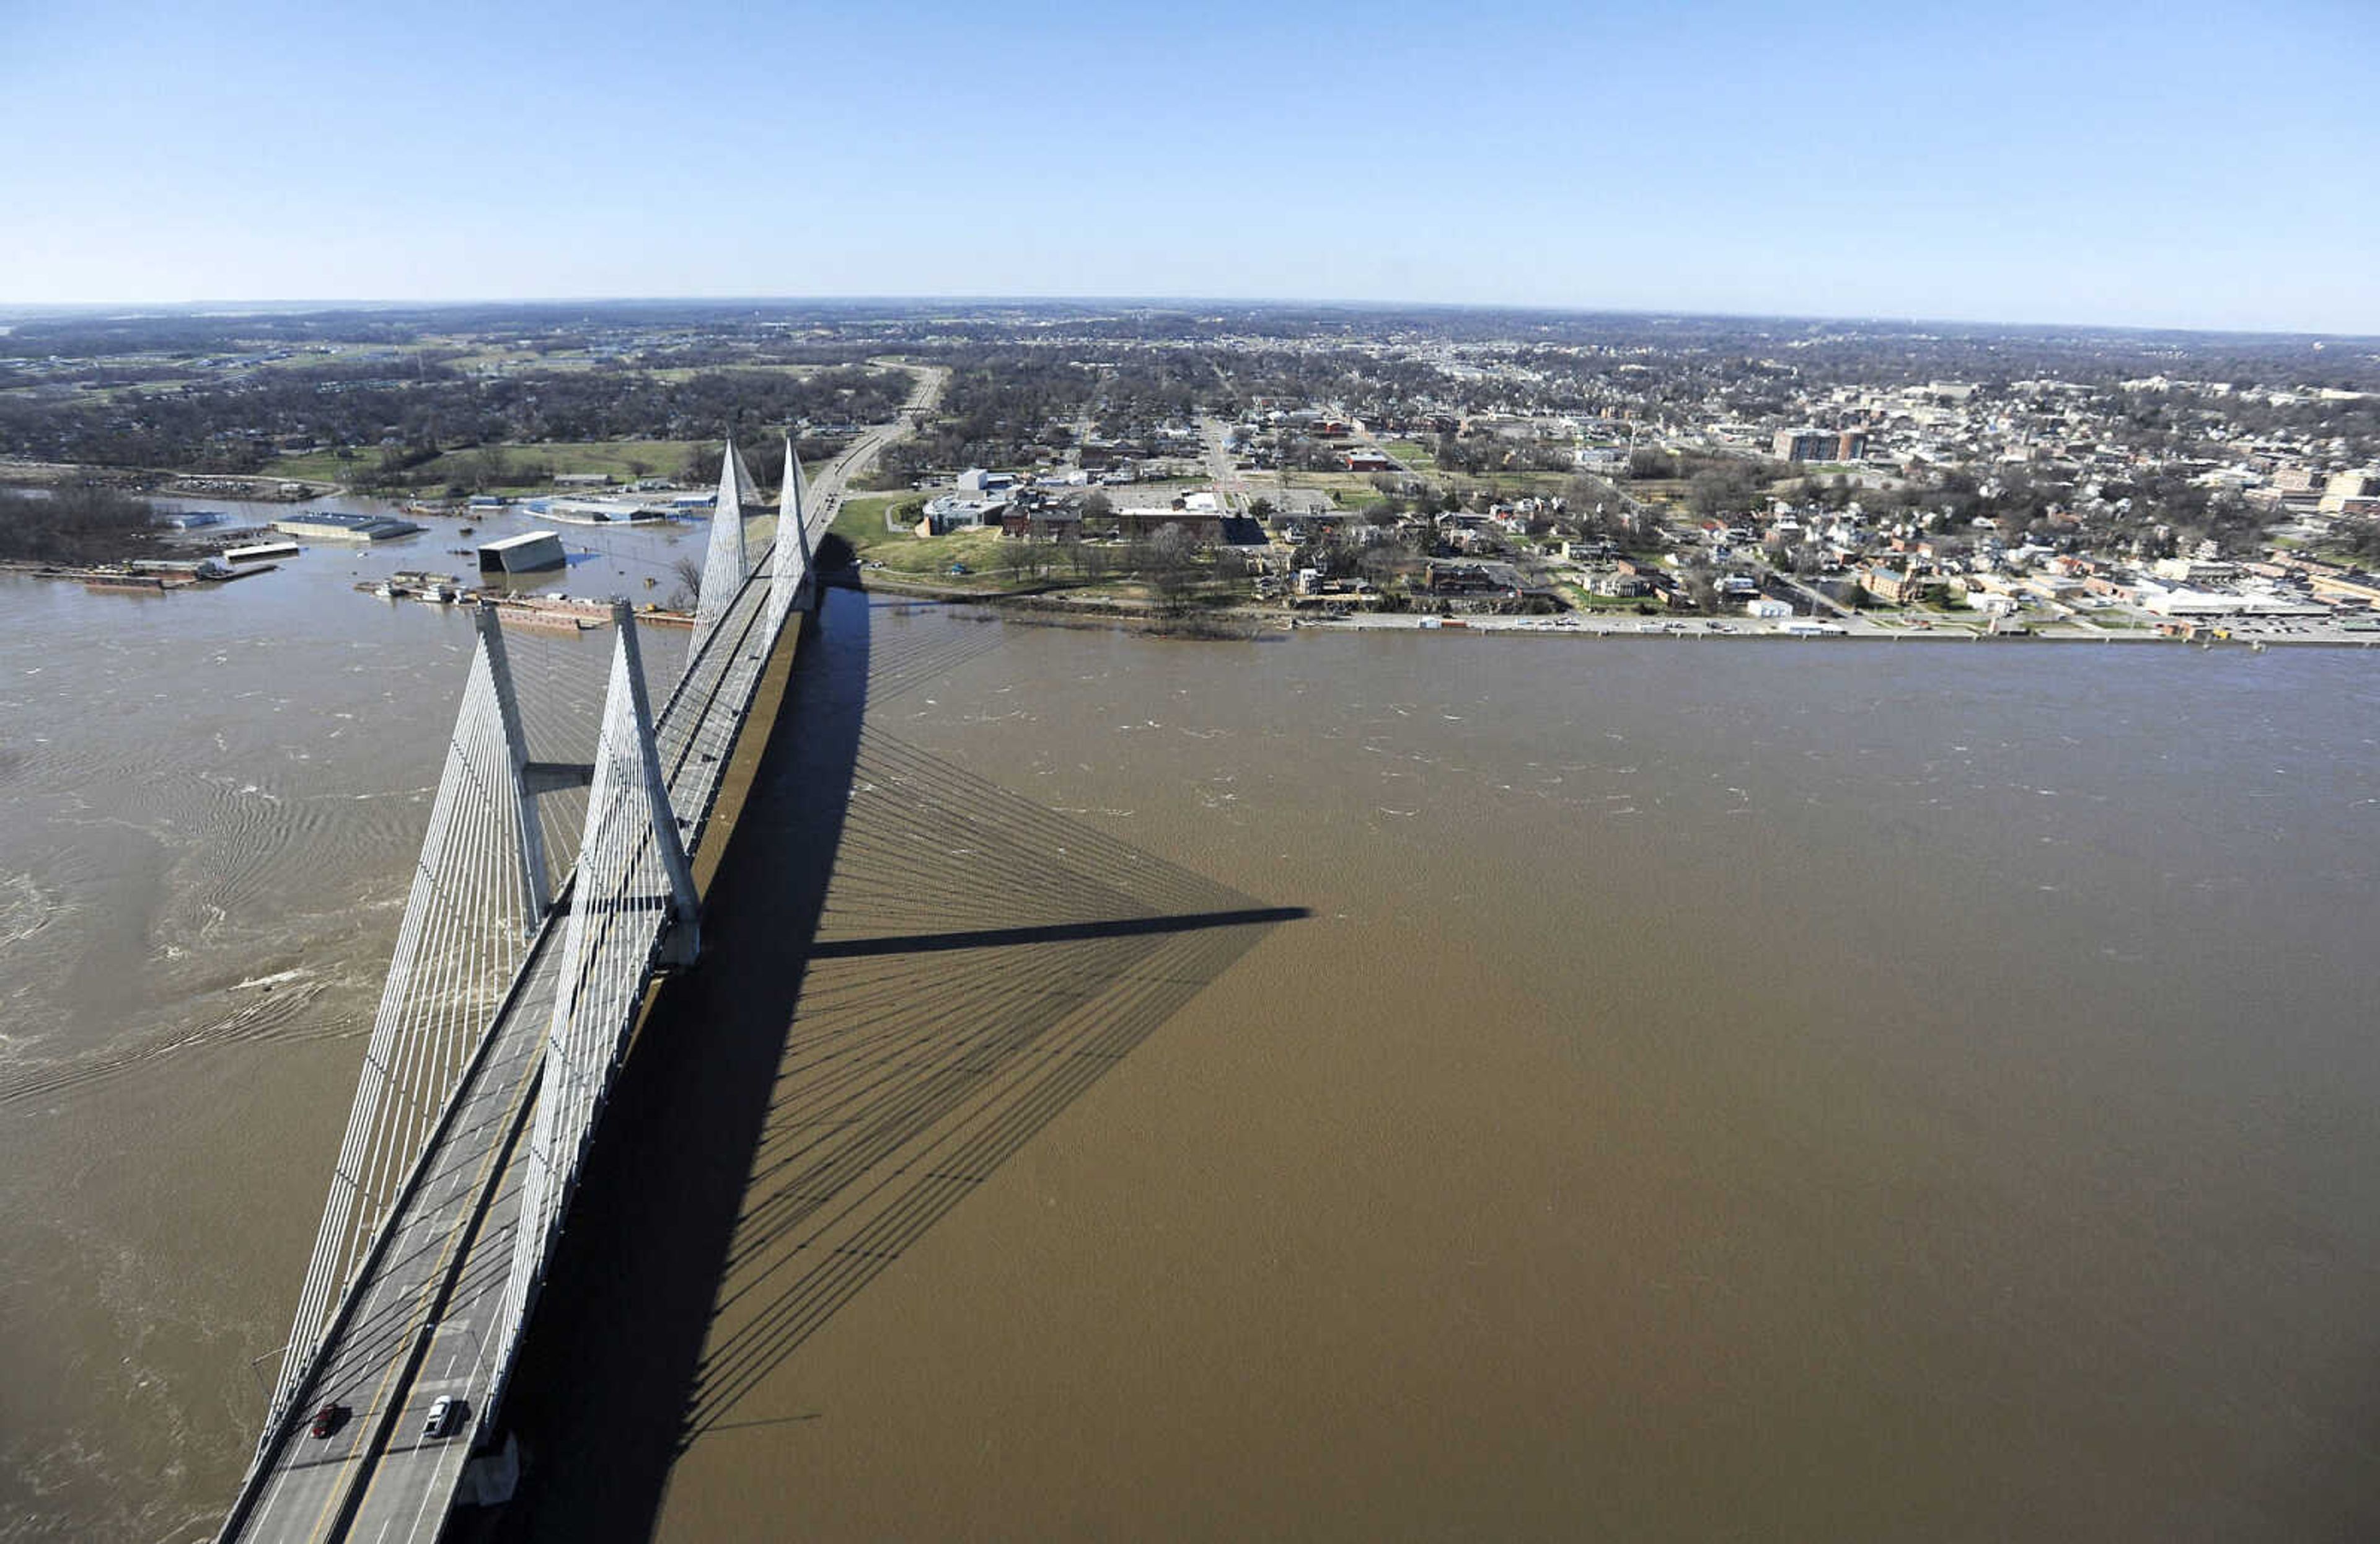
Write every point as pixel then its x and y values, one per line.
pixel 536 880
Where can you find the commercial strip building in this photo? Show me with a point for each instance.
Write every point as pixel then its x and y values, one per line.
pixel 326 526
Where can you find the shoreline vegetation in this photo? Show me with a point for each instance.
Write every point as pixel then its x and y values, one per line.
pixel 79 523
pixel 1251 625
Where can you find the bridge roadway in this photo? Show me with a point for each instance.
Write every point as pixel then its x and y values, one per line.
pixel 421 1320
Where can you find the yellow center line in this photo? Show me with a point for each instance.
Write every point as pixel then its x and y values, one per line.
pixel 421 1307
pixel 363 1417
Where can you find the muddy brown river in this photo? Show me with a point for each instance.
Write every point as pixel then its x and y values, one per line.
pixel 1340 1086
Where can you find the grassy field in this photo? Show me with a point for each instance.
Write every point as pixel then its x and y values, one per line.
pixel 860 521
pixel 322 467
pixel 1413 453
pixel 983 554
pixel 1668 491
pixel 619 459
pixel 1341 486
pixel 1512 484
pixel 977 550
pixel 986 555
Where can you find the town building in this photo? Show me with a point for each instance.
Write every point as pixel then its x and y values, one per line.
pixel 531 552
pixel 2344 487
pixel 328 526
pixel 1819 444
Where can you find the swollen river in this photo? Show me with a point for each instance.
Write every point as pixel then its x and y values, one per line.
pixel 1343 1087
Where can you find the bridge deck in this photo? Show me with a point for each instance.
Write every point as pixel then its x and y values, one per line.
pixel 421 1321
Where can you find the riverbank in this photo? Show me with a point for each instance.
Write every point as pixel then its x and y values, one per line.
pixel 1707 629
pixel 1053 605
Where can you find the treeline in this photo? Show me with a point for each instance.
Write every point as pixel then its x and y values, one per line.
pixel 406 419
pixel 1366 384
pixel 764 457
pixel 74 523
pixel 1002 408
pixel 1821 352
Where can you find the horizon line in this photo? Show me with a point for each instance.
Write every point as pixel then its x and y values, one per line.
pixel 320 306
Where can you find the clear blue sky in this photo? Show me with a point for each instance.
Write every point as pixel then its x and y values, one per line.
pixel 2167 163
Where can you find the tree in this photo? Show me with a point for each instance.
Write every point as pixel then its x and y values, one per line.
pixel 78 523
pixel 1702 588
pixel 689 575
pixel 1166 562
pixel 1723 489
pixel 491 467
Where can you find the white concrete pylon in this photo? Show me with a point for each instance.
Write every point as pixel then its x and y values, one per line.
pixel 723 570
pixel 789 560
pixel 747 489
pixel 537 882
pixel 474 904
pixel 633 895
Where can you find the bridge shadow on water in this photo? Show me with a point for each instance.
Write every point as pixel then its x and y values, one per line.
pixel 908 972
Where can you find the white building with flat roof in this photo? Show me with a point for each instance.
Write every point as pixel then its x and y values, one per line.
pixel 531 552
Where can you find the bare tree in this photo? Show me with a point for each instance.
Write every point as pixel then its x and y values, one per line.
pixel 1166 561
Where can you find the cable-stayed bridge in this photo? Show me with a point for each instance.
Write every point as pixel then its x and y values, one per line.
pixel 509 1003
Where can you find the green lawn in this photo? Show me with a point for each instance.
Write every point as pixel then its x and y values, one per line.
pixel 860 521
pixel 322 467
pixel 923 557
